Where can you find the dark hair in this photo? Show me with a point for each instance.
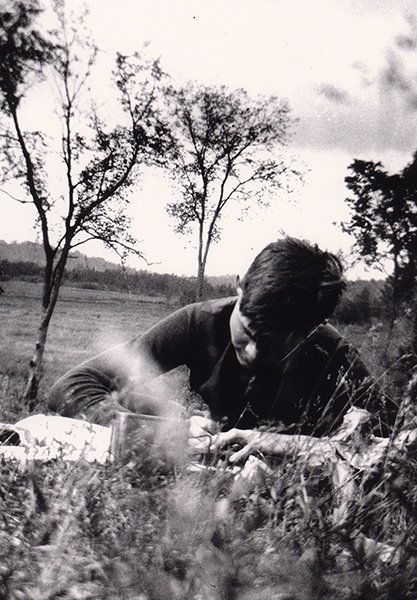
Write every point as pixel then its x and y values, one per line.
pixel 291 285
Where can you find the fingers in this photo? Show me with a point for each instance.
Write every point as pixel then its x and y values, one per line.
pixel 200 444
pixel 222 439
pixel 204 438
pixel 204 442
pixel 201 433
pixel 241 454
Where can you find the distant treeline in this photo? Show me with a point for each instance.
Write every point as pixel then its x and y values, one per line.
pixel 171 287
pixel 363 301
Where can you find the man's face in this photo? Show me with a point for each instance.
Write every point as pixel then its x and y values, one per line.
pixel 243 338
pixel 248 352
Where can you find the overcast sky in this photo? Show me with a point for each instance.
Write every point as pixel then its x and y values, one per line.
pixel 342 65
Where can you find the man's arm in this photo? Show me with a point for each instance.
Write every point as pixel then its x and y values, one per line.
pixel 205 437
pixel 271 444
pixel 110 380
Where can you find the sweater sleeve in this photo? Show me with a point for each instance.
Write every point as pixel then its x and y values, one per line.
pixel 117 371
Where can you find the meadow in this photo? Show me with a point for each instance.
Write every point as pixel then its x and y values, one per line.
pixel 143 531
pixel 84 323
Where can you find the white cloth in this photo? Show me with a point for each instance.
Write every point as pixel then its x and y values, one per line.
pixel 44 437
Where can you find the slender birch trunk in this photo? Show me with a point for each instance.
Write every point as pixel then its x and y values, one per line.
pixel 51 287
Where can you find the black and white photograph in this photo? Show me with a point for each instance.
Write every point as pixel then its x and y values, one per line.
pixel 208 300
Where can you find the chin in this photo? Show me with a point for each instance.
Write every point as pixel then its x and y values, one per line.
pixel 246 363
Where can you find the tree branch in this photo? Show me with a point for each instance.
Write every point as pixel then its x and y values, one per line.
pixel 37 200
pixel 14 197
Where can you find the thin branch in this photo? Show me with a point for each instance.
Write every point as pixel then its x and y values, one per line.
pixel 239 185
pixel 112 243
pixel 30 174
pixel 9 137
pixel 110 191
pixel 17 199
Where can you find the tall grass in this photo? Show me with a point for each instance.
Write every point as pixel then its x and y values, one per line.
pixel 124 531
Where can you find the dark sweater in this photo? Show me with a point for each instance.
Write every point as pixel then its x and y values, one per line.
pixel 308 394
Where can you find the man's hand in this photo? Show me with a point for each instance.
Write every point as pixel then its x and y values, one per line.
pixel 205 437
pixel 243 437
pixel 202 431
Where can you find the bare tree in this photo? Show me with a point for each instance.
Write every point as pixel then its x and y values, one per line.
pixel 223 145
pixel 96 162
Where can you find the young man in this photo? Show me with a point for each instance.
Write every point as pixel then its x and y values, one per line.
pixel 265 357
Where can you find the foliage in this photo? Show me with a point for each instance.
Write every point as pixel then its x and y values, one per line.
pixel 384 219
pixel 98 163
pixel 24 51
pixel 222 145
pixel 361 303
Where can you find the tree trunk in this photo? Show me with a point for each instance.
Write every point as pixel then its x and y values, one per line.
pixel 202 261
pixel 51 287
pixel 200 266
pixel 200 282
pixel 36 366
pixel 413 318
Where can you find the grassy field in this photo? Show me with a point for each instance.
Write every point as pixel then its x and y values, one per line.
pixel 142 531
pixel 84 322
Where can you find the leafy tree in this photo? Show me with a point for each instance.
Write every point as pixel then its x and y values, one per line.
pixel 384 220
pixel 97 162
pixel 222 145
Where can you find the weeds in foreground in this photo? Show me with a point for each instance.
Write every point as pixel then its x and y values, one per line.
pixel 81 531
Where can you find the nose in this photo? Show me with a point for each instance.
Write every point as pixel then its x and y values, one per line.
pixel 249 352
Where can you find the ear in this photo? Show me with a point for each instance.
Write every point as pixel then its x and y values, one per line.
pixel 238 288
